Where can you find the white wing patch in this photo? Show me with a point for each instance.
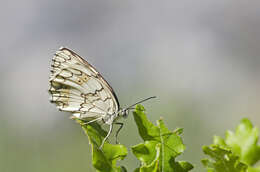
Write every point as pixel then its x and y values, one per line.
pixel 75 86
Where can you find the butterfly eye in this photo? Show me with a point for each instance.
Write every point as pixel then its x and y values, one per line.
pixel 125 113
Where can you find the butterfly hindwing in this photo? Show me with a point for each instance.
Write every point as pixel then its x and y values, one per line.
pixel 77 87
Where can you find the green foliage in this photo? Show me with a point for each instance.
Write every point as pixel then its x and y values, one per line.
pixel 244 142
pixel 160 148
pixel 103 160
pixel 224 160
pixel 239 150
pixel 157 154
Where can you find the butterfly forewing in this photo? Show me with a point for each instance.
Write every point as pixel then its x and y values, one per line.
pixel 77 87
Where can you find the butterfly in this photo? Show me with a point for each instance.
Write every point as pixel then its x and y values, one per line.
pixel 77 87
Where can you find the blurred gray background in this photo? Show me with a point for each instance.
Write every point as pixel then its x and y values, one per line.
pixel 200 58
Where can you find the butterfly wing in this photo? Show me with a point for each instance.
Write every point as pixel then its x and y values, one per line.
pixel 77 87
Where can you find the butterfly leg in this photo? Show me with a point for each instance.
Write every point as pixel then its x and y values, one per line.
pixel 117 132
pixel 108 134
pixel 92 121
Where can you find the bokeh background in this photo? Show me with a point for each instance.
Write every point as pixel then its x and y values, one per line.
pixel 200 58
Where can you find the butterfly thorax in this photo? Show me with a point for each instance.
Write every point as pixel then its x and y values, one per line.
pixel 110 118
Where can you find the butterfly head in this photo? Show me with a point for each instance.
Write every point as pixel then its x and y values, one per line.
pixel 124 113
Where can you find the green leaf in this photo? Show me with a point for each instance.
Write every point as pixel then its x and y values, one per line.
pixel 223 160
pixel 104 160
pixel 153 166
pixel 252 169
pixel 244 142
pixel 160 148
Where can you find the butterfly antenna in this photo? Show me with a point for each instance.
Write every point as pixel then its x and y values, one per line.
pixel 141 102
